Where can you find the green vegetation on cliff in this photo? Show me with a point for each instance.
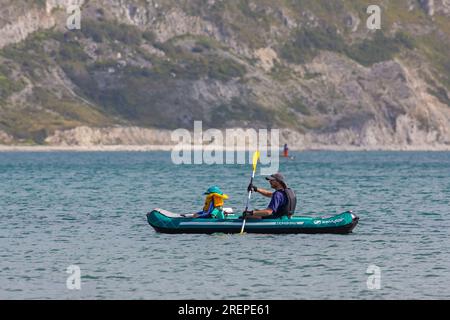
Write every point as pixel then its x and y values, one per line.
pixel 308 42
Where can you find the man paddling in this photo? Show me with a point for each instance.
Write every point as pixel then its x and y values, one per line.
pixel 282 202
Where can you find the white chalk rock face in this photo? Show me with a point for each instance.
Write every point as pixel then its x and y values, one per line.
pixel 86 136
pixel 5 138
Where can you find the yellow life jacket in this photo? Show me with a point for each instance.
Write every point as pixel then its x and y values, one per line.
pixel 217 198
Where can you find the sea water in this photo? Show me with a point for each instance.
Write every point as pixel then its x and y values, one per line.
pixel 87 210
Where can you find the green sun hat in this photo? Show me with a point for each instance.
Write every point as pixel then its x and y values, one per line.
pixel 214 189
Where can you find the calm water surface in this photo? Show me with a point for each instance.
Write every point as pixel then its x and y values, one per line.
pixel 88 209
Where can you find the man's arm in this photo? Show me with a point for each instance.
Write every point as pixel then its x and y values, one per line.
pixel 264 192
pixel 262 213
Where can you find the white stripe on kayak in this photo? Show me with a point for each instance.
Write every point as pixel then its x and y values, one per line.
pixel 239 223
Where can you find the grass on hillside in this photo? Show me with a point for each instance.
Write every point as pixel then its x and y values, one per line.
pixel 309 41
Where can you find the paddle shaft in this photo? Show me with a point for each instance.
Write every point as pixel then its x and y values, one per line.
pixel 248 201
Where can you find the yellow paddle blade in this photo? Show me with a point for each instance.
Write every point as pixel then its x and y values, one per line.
pixel 255 159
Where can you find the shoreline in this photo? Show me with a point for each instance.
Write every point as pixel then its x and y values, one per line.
pixel 150 148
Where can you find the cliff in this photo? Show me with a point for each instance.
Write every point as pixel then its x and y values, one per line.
pixel 138 69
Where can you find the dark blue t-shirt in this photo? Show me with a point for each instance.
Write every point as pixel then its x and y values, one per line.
pixel 278 199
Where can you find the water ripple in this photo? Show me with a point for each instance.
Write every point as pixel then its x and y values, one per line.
pixel 88 209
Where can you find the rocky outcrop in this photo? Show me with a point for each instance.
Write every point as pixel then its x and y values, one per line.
pixel 85 136
pixel 18 24
pixel 408 136
pixel 50 5
pixel 13 32
pixel 177 23
pixel 428 6
pixel 267 58
pixel 372 137
pixel 5 138
pixel 433 7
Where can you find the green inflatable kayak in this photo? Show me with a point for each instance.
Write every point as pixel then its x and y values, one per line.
pixel 168 222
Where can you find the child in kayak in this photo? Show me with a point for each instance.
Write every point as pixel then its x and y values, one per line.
pixel 213 207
